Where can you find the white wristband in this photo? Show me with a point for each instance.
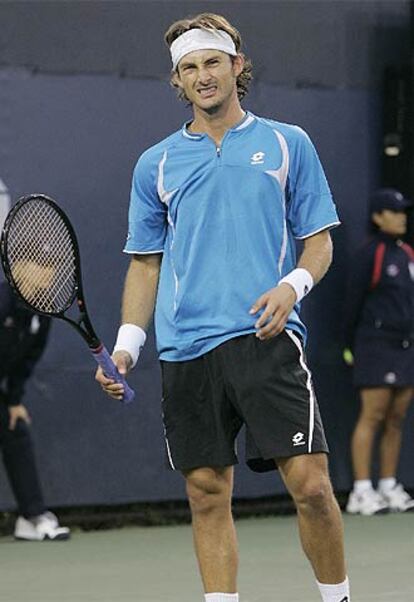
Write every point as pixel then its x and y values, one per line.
pixel 131 338
pixel 300 280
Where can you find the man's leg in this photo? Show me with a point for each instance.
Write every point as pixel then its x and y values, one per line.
pixel 209 492
pixel 320 522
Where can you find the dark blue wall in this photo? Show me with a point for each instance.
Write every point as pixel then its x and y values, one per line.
pixel 76 138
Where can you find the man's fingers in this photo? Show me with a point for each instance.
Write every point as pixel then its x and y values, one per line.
pixel 258 304
pixel 274 327
pixel 114 394
pixel 115 390
pixel 102 379
pixel 265 317
pixel 122 361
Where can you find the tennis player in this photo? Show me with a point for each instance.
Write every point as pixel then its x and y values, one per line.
pixel 215 211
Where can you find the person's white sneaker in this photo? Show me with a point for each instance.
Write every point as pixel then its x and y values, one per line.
pixel 40 528
pixel 367 502
pixel 398 499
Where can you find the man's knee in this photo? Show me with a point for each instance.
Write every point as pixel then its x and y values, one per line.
pixel 315 496
pixel 307 478
pixel 208 489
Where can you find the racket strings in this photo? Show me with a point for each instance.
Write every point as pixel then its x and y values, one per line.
pixel 41 256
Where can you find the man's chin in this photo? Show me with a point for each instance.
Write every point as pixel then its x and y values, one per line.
pixel 209 106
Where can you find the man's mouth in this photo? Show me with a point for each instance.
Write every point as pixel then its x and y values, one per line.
pixel 207 92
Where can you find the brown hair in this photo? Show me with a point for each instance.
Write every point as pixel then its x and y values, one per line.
pixel 211 21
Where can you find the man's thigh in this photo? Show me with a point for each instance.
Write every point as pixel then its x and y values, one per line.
pixel 274 392
pixel 200 422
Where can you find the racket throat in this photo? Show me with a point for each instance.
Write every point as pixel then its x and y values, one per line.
pixel 85 329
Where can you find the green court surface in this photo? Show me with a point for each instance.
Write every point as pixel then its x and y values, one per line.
pixel 156 564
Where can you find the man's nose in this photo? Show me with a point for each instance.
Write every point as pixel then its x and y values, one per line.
pixel 204 75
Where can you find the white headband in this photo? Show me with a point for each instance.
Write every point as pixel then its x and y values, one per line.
pixel 201 39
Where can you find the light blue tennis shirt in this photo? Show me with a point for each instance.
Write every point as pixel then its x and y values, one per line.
pixel 225 220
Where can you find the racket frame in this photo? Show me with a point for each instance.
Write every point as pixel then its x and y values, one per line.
pixel 82 324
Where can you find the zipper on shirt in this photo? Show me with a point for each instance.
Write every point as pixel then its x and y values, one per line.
pixel 218 151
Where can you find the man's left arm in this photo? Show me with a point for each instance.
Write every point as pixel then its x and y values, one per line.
pixel 278 302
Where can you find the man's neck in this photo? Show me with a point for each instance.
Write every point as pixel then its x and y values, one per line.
pixel 216 124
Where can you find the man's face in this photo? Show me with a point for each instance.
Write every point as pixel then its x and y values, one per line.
pixel 391 222
pixel 208 78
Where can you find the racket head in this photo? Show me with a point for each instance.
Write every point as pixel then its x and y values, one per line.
pixel 40 256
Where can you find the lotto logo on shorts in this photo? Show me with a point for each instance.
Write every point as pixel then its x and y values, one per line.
pixel 346 599
pixel 298 439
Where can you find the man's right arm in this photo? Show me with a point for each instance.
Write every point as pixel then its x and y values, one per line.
pixel 138 302
pixel 140 289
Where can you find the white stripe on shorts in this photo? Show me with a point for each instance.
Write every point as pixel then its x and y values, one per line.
pixel 167 445
pixel 169 454
pixel 311 426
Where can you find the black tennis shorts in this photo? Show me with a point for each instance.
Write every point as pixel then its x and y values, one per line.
pixel 264 385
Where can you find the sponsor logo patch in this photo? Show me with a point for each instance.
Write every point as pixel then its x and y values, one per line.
pixel 298 439
pixel 257 158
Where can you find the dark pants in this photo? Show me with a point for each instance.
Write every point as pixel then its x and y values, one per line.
pixel 20 464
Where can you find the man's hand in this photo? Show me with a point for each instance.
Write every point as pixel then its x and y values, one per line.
pixel 123 362
pixel 278 302
pixel 17 412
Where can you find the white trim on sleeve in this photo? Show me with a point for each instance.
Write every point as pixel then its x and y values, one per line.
pixel 142 252
pixel 326 227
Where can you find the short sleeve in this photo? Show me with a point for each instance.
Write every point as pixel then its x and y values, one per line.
pixel 310 207
pixel 147 217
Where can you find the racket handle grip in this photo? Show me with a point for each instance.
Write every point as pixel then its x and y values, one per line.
pixel 103 358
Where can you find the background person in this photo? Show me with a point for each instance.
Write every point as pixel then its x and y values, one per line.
pixel 380 337
pixel 223 199
pixel 23 337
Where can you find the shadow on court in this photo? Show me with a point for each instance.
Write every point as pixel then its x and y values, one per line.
pixel 156 564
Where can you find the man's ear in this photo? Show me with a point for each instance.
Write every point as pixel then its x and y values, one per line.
pixel 176 80
pixel 238 64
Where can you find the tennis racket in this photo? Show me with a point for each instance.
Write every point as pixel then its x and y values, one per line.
pixel 40 257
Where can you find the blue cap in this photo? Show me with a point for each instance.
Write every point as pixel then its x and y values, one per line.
pixel 388 198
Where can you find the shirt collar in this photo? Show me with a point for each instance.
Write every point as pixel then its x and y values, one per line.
pixel 247 120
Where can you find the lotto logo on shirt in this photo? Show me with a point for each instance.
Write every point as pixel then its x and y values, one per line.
pixel 257 158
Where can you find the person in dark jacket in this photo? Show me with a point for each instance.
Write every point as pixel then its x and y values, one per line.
pixel 23 337
pixel 380 345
